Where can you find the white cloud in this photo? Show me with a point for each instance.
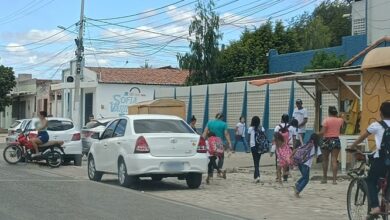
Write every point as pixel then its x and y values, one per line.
pixel 35 35
pixel 32 59
pixel 180 15
pixel 17 48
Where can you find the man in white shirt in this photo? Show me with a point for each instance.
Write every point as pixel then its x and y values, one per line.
pixel 378 167
pixel 300 113
pixel 241 134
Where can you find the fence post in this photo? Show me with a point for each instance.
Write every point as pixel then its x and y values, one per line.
pixel 206 109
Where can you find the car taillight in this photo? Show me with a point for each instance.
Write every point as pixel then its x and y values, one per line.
pixel 141 146
pixel 202 146
pixel 76 137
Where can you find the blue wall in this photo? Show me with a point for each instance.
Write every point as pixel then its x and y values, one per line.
pixel 351 45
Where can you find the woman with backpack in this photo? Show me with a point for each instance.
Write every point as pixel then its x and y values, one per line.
pixel 289 133
pixel 258 143
pixel 303 157
pixel 330 130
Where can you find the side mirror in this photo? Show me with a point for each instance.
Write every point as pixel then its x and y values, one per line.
pixel 19 130
pixel 95 135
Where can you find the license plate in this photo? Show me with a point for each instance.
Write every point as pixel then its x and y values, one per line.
pixel 174 166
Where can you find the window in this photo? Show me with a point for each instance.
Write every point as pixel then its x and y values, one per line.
pixel 15 124
pixel 94 124
pixel 57 125
pixel 161 126
pixel 120 129
pixel 110 130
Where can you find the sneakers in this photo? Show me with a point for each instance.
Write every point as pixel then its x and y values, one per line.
pixel 296 193
pixel 257 180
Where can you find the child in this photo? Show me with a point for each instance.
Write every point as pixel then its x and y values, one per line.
pixel 297 138
pixel 215 149
pixel 379 164
pixel 283 153
pixel 304 165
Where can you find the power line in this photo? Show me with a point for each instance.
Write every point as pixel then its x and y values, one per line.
pixel 141 13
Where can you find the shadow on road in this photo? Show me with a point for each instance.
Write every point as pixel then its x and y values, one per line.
pixel 151 186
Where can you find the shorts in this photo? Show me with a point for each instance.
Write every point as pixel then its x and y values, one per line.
pixel 331 143
pixel 43 136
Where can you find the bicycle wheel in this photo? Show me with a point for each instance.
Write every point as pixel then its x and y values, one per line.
pixel 12 154
pixel 357 200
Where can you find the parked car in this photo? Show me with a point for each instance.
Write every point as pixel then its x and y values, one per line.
pixel 155 146
pixel 63 129
pixel 90 129
pixel 15 129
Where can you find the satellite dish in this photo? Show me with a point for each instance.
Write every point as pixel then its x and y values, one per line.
pixel 69 79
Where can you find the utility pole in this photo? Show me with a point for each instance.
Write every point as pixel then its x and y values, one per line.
pixel 79 69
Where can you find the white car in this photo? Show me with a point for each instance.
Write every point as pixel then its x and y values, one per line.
pixel 155 146
pixel 63 129
pixel 16 128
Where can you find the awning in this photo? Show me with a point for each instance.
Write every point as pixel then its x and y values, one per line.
pixel 306 76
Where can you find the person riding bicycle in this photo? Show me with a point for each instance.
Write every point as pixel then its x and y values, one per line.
pixel 379 165
pixel 43 136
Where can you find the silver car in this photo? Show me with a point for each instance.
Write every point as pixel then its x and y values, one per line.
pixel 90 132
pixel 16 128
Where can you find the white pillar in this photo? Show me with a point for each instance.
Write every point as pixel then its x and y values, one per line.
pixel 55 103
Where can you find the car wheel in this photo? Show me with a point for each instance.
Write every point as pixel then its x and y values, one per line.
pixel 156 178
pixel 78 160
pixel 93 174
pixel 124 179
pixel 194 180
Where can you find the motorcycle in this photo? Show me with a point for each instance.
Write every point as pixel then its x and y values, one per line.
pixel 22 150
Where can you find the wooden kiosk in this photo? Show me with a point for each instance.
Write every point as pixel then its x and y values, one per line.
pixel 159 106
pixel 357 90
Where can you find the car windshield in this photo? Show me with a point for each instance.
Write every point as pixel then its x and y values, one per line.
pixel 94 124
pixel 15 124
pixel 161 126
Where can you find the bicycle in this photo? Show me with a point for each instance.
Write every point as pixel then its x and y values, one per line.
pixel 358 202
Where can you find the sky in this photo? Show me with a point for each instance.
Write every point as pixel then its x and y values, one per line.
pixel 37 36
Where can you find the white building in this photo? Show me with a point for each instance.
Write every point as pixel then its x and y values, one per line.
pixel 107 92
pixel 371 17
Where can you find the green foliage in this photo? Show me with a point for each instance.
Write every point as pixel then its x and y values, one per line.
pixel 7 83
pixel 202 61
pixel 323 60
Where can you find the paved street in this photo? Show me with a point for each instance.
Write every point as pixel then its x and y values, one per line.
pixel 66 193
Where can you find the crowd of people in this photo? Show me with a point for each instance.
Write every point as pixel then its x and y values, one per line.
pixel 287 144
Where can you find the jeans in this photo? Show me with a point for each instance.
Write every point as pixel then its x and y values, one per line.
pixel 220 161
pixel 243 140
pixel 256 162
pixel 377 170
pixel 302 182
pixel 212 165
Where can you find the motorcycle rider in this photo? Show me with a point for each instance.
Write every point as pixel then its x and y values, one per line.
pixel 43 136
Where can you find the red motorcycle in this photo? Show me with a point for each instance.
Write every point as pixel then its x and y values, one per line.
pixel 22 150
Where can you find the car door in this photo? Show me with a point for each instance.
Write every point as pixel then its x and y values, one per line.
pixel 115 144
pixel 101 147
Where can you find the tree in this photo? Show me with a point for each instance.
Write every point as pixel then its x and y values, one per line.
pixel 332 13
pixel 316 35
pixel 202 61
pixel 146 65
pixel 7 83
pixel 323 60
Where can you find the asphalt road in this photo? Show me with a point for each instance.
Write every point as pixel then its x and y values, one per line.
pixel 39 192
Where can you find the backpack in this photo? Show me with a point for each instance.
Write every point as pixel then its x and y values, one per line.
pixel 302 153
pixel 215 146
pixel 284 155
pixel 261 142
pixel 384 152
pixel 285 132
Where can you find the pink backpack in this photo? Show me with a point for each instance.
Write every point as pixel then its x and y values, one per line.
pixel 285 132
pixel 215 146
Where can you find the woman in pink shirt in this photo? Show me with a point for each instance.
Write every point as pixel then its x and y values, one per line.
pixel 330 131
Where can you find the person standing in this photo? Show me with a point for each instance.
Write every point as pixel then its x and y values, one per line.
pixel 193 123
pixel 330 130
pixel 254 129
pixel 300 113
pixel 220 129
pixel 240 134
